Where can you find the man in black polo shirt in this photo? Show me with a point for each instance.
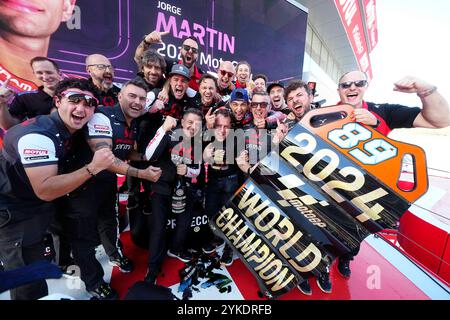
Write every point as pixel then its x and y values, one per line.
pixel 101 73
pixel 32 174
pixel 91 209
pixel 29 104
pixel 435 113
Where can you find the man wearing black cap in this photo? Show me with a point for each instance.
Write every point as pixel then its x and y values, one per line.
pixel 180 97
pixel 239 106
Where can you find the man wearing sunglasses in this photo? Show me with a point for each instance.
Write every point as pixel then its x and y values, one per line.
pixel 33 173
pixel 101 73
pixel 90 211
pixel 225 76
pixel 189 53
pixel 27 105
pixel 384 117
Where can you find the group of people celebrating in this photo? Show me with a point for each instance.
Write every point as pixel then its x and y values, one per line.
pixel 67 141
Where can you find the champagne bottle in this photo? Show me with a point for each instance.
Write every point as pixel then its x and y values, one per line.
pixel 179 196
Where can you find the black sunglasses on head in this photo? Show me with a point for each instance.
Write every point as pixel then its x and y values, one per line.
pixel 348 84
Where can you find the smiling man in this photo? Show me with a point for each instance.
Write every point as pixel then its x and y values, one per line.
pixel 34 155
pixel 174 158
pixel 435 113
pixel 27 105
pixel 225 76
pixel 101 73
pixel 25 30
pixel 90 211
pixel 298 97
pixel 189 53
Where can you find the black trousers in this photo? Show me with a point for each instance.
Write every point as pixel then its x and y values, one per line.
pixel 218 192
pixel 161 211
pixel 22 230
pixel 89 217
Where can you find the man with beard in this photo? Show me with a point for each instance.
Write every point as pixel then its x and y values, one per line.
pixel 152 67
pixel 101 74
pixel 384 117
pixel 25 30
pixel 298 97
pixel 175 158
pixel 90 211
pixel 188 53
pixel 32 175
pixel 27 105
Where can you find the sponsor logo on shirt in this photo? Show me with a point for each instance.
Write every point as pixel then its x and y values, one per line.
pixel 35 154
pixel 102 129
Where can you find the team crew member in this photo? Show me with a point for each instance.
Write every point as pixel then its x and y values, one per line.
pixel 223 176
pixel 31 166
pixel 29 104
pixel 188 53
pixel 225 76
pixel 239 108
pixel 299 98
pixel 152 67
pixel 243 76
pixel 276 94
pixel 111 128
pixel 384 117
pixel 258 141
pixel 101 73
pixel 174 158
pixel 180 98
pixel 205 99
pixel 260 81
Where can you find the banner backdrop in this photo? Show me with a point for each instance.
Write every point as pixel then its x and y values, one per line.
pixel 270 34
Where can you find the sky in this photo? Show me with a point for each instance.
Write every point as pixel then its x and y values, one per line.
pixel 413 39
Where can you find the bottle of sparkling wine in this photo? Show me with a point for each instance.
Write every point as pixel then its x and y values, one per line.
pixel 179 196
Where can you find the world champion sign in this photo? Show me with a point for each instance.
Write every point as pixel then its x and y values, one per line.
pixel 317 198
